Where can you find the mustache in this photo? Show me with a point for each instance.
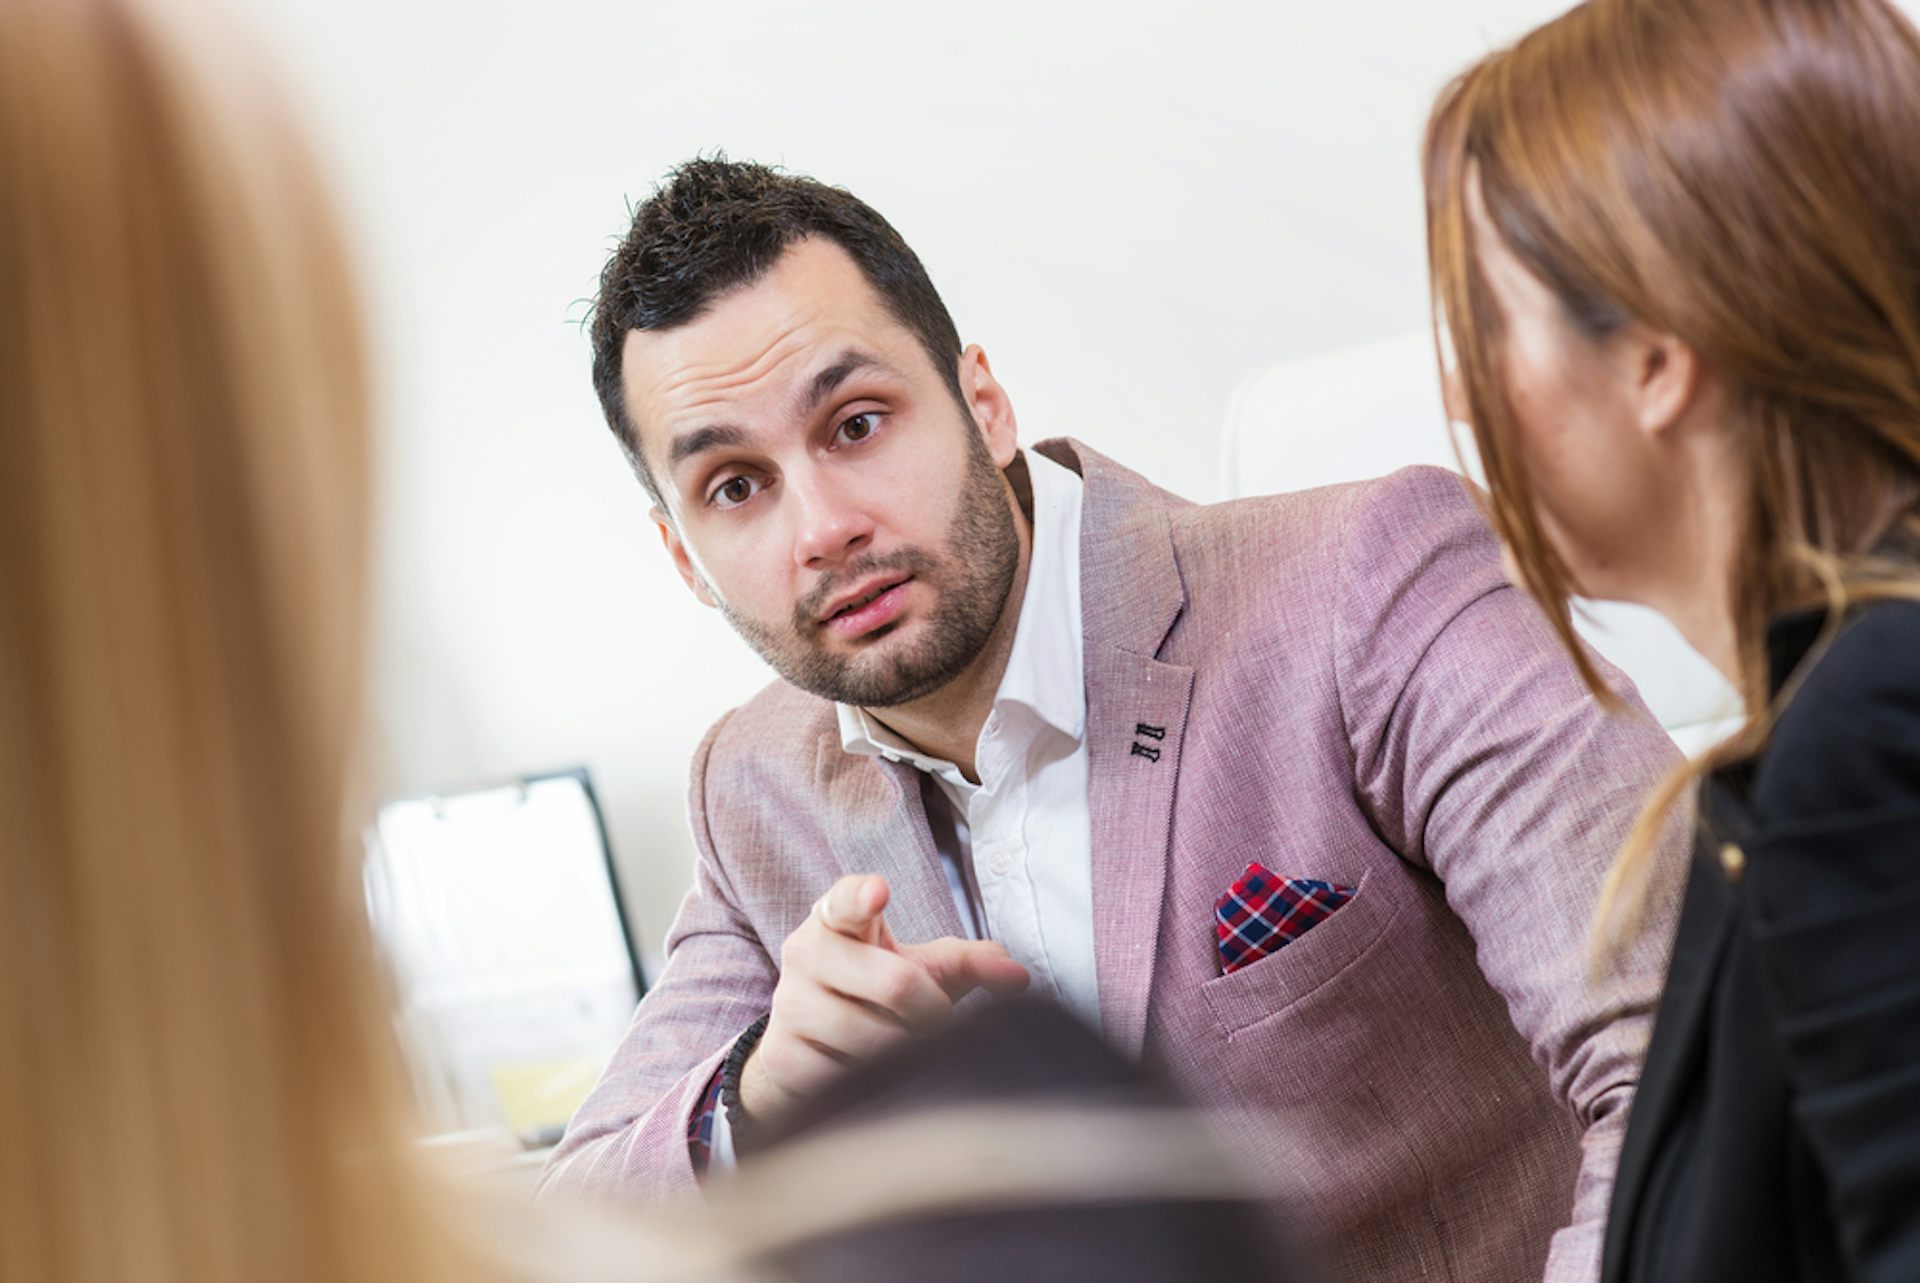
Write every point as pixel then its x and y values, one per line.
pixel 908 561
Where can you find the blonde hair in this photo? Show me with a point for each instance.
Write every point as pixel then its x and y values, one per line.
pixel 193 1087
pixel 1741 174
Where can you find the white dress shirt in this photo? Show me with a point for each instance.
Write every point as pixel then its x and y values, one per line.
pixel 1017 846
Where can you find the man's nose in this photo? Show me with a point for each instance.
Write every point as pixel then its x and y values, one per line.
pixel 832 525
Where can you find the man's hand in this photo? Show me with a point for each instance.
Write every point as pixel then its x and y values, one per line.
pixel 847 990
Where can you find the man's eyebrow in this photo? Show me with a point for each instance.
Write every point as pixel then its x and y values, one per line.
pixel 850 362
pixel 718 436
pixel 721 436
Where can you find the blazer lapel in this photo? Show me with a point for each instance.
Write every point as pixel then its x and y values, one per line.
pixel 1130 596
pixel 1673 1058
pixel 1136 722
pixel 877 823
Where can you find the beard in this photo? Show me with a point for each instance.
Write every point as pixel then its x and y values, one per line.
pixel 970 577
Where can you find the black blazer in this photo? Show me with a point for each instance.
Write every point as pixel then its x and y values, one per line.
pixel 1776 1129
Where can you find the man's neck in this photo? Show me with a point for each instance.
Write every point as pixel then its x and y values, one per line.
pixel 947 723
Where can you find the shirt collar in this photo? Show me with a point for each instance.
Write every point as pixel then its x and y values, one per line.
pixel 1046 669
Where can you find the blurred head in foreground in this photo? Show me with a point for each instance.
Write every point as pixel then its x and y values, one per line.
pixel 1676 264
pixel 193 1088
pixel 1051 1157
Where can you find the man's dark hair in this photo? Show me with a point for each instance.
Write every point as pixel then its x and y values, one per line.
pixel 716 225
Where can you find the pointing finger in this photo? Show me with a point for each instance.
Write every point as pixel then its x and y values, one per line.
pixel 852 907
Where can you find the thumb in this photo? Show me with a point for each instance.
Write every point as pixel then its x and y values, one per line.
pixel 961 966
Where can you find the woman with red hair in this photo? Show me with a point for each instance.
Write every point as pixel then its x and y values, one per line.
pixel 1676 262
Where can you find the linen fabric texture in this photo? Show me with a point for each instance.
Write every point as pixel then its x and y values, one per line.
pixel 1342 683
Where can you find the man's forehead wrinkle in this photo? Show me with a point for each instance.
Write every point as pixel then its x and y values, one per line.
pixel 693 386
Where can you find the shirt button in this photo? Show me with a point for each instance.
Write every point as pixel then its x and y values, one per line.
pixel 1000 862
pixel 891 757
pixel 1733 862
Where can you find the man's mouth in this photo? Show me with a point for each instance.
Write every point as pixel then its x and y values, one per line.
pixel 872 606
pixel 848 605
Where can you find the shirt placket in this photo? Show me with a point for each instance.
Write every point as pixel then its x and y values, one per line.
pixel 998 817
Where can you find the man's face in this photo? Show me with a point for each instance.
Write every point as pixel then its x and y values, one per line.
pixel 822 487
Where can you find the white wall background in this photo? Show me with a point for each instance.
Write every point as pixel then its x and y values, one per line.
pixel 1130 206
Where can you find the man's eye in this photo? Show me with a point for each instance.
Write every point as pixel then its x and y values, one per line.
pixel 859 427
pixel 733 492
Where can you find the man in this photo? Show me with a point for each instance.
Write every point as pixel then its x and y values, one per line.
pixel 1039 721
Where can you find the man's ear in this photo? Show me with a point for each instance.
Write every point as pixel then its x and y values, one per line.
pixel 682 562
pixel 1668 377
pixel 992 409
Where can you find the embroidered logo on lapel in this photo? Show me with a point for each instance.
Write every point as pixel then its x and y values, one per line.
pixel 1146 732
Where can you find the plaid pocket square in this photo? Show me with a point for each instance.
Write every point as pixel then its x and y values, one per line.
pixel 1262 914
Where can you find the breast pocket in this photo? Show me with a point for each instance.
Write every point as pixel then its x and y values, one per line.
pixel 1264 989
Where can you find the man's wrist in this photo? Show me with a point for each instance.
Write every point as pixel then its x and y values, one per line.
pixel 739 1118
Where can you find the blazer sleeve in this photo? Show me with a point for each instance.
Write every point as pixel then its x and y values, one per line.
pixel 1834 875
pixel 1480 756
pixel 628 1140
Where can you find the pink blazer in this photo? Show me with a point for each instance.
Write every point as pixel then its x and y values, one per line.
pixel 1348 690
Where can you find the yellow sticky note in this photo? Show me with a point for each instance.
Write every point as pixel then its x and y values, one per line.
pixel 535 1095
